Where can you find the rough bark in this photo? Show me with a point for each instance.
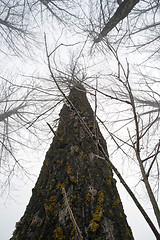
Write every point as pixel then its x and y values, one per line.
pixel 122 11
pixel 72 163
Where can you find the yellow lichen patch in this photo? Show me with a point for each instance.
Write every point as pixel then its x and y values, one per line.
pixel 108 173
pixel 73 179
pixel 73 196
pixel 106 162
pixel 110 211
pixel 91 127
pixel 45 207
pixel 53 180
pixel 98 214
pixel 84 156
pixel 73 231
pixel 51 207
pixel 76 148
pixel 70 225
pixel 121 215
pixel 58 161
pixel 88 197
pixel 62 137
pixel 93 226
pixel 116 202
pixel 52 199
pixel 60 186
pixel 100 197
pixel 58 234
pixel 31 224
pixel 69 169
pixel 128 233
pixel 81 153
pixel 108 181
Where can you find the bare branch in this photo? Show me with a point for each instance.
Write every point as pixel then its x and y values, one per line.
pixel 122 11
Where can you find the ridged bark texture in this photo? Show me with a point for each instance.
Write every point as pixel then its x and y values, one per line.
pixel 72 163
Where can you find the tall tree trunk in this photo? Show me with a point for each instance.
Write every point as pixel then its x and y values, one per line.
pixel 75 180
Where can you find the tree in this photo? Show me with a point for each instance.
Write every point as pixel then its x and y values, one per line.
pixel 136 141
pixel 14 104
pixel 131 25
pixel 146 159
pixel 74 166
pixel 18 102
pixel 122 11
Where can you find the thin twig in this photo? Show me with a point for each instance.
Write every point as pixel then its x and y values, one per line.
pixel 71 214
